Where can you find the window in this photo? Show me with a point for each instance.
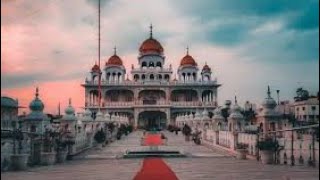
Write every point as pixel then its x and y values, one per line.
pixel 143 77
pixel 151 77
pixel 313 108
pixel 297 109
pixel 303 108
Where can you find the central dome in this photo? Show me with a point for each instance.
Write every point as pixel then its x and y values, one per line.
pixel 151 45
pixel 114 60
pixel 188 60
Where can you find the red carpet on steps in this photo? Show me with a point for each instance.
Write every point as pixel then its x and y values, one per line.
pixel 153 139
pixel 155 169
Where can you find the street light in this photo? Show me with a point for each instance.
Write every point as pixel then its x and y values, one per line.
pixel 278 91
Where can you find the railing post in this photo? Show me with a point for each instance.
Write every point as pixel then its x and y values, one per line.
pixel 313 148
pixel 292 141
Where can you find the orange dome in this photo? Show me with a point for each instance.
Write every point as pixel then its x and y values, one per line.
pixel 95 68
pixel 188 60
pixel 151 45
pixel 114 60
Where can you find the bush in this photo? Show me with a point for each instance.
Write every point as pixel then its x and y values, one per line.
pixel 242 146
pixel 100 136
pixel 268 144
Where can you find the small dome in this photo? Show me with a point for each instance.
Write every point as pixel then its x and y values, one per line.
pixel 99 116
pixel 36 104
pixel 8 102
pixel 95 68
pixel 87 112
pixel 188 61
pixel 236 111
pixel 269 102
pixel 217 115
pixel 151 45
pixel 206 68
pixel 114 60
pixel 69 110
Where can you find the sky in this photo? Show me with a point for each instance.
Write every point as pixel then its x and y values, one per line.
pixel 249 44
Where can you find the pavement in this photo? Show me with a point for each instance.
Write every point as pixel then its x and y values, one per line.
pixel 202 164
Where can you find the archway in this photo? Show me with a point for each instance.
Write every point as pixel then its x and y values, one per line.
pixel 184 95
pixel 152 96
pixel 152 120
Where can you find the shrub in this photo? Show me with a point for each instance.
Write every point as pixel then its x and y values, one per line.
pixel 100 136
pixel 268 144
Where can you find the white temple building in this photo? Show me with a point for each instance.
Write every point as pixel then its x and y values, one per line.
pixel 152 97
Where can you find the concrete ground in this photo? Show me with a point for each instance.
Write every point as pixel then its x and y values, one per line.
pixel 204 164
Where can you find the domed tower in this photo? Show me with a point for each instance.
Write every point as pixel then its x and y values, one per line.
pixel 69 120
pixel 206 73
pixel 95 72
pixel 36 121
pixel 114 69
pixel 188 70
pixel 235 119
pixel 268 118
pixel 151 62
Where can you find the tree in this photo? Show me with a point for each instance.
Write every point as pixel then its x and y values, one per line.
pixel 302 94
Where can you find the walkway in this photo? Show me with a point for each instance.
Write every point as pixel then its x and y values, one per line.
pixel 206 165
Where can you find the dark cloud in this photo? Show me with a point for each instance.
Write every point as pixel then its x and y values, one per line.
pixel 308 18
pixel 228 35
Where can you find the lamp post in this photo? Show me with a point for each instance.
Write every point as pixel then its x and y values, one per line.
pixel 278 91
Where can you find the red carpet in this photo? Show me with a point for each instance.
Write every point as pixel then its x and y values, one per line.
pixel 155 169
pixel 153 140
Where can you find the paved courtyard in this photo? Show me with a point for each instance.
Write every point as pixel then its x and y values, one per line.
pixel 204 164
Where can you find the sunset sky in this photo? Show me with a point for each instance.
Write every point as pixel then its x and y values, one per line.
pixel 249 44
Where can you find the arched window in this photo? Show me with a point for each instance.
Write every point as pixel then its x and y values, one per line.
pixel 136 77
pixel 167 77
pixel 159 64
pixel 144 64
pixel 151 77
pixel 194 76
pixel 143 77
pixel 151 64
pixel 160 77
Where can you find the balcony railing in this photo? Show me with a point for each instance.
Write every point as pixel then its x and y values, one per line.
pixel 160 83
pixel 156 103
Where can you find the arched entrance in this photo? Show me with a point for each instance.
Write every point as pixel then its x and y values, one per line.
pixel 151 120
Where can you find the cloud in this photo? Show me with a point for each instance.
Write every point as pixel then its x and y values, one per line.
pixel 248 43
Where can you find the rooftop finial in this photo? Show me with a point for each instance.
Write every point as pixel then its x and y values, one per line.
pixel 235 100
pixel 115 50
pixel 69 101
pixel 269 93
pixel 187 50
pixel 37 92
pixel 151 27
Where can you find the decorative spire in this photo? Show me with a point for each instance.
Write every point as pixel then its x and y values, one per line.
pixel 69 101
pixel 235 100
pixel 37 92
pixel 151 27
pixel 187 50
pixel 269 93
pixel 115 50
